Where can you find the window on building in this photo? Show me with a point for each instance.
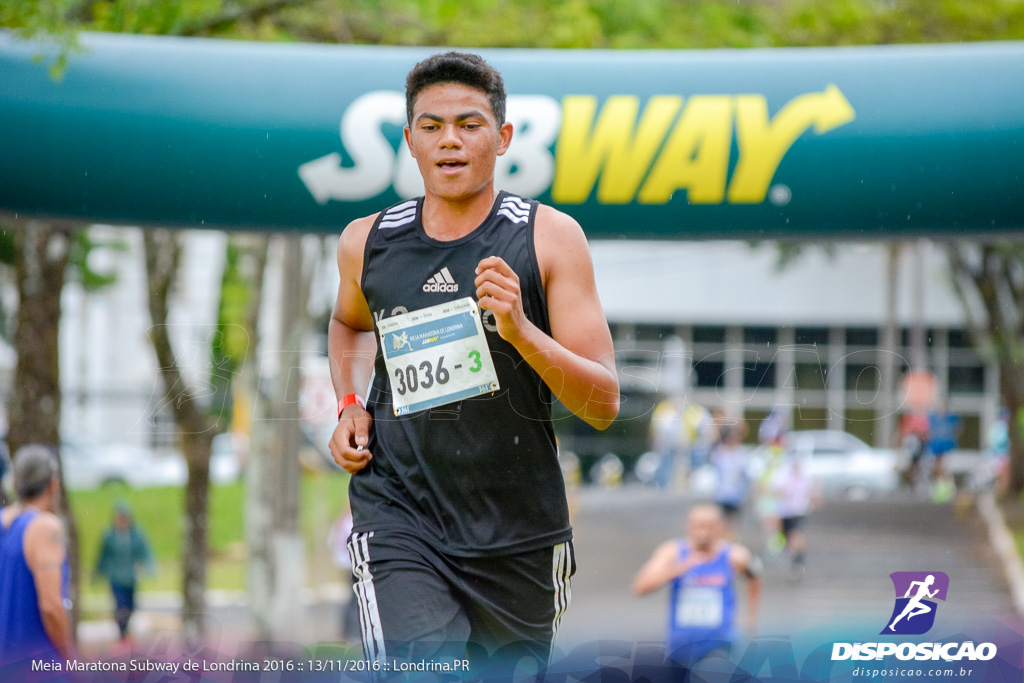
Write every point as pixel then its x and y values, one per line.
pixel 960 339
pixel 654 332
pixel 759 375
pixel 929 337
pixel 862 423
pixel 808 377
pixel 968 379
pixel 861 336
pixel 709 374
pixel 759 335
pixel 811 336
pixel 810 418
pixel 708 334
pixel 863 378
pixel 753 417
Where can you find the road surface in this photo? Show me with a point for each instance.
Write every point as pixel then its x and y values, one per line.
pixel 852 548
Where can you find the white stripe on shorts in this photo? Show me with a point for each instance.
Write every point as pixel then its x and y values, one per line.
pixel 369 615
pixel 561 570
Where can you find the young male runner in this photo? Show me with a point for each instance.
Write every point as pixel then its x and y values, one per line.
pixel 461 530
pixel 701 569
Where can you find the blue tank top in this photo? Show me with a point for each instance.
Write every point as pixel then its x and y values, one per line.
pixel 22 635
pixel 702 606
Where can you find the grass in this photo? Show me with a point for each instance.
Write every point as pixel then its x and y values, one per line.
pixel 161 514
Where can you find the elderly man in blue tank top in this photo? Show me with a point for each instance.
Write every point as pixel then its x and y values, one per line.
pixel 34 625
pixel 701 570
pixel 466 312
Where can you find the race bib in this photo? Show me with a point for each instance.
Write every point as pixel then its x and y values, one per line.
pixel 699 606
pixel 436 355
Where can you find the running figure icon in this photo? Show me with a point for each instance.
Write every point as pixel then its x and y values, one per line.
pixel 915 607
pixel 917 594
pixel 400 341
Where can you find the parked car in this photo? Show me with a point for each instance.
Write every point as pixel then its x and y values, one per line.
pixel 844 465
pixel 90 464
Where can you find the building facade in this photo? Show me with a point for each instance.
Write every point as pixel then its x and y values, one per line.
pixel 808 335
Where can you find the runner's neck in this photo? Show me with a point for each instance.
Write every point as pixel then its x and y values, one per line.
pixel 446 220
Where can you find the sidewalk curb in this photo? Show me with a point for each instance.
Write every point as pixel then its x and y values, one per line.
pixel 1002 541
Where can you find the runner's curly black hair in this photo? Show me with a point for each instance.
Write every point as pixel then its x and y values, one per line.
pixel 456 67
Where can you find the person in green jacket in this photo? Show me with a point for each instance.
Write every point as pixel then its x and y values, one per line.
pixel 123 552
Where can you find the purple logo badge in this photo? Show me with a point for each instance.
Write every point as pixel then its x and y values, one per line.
pixel 916 593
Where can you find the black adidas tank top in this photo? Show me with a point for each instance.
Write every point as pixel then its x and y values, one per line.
pixel 478 477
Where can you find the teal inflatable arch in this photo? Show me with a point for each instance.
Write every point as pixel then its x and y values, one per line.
pixel 827 142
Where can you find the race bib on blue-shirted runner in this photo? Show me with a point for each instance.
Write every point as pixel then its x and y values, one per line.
pixel 699 606
pixel 436 355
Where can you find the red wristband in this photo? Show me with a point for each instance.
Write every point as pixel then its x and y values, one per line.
pixel 349 399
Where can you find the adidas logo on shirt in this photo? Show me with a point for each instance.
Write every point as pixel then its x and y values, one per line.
pixel 441 282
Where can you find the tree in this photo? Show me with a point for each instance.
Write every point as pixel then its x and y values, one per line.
pixel 196 424
pixel 45 255
pixel 42 251
pixel 533 23
pixel 991 274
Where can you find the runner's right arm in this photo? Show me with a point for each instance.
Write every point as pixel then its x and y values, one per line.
pixel 351 347
pixel 44 554
pixel 663 566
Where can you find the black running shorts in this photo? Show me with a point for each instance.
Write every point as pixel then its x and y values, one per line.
pixel 419 606
pixel 790 524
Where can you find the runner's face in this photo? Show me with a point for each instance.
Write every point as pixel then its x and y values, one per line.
pixel 455 140
pixel 704 529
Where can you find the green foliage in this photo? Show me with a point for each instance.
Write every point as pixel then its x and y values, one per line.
pixel 534 23
pixel 53 22
pixel 8 252
pixel 83 248
pixel 80 266
pixel 230 346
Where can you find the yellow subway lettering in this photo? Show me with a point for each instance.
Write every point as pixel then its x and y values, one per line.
pixel 616 147
pixel 762 144
pixel 696 154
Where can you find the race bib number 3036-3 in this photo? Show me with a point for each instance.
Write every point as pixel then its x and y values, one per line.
pixel 436 355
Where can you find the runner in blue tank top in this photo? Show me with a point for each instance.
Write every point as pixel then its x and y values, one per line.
pixel 701 571
pixel 33 569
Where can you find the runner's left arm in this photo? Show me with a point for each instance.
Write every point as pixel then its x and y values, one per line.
pixel 576 361
pixel 44 554
pixel 749 564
